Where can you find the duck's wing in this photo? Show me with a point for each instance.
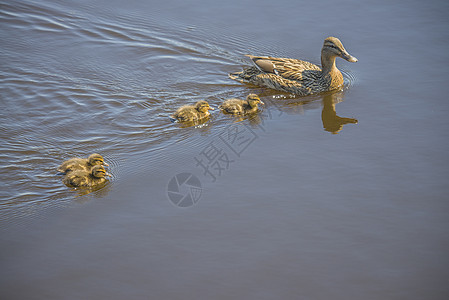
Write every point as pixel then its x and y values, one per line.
pixel 287 68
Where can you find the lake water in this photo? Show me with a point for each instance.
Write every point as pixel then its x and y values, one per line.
pixel 298 203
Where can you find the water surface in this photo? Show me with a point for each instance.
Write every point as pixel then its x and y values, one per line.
pixel 303 203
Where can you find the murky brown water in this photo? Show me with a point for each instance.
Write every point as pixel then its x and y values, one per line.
pixel 299 202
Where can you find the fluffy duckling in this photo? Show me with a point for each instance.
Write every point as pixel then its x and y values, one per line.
pixel 297 76
pixel 197 112
pixel 241 107
pixel 82 178
pixel 85 164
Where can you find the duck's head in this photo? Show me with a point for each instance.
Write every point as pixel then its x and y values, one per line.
pixel 96 159
pixel 203 106
pixel 333 47
pixel 253 100
pixel 99 171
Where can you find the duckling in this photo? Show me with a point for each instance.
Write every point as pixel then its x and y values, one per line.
pixel 82 163
pixel 197 112
pixel 241 107
pixel 83 178
pixel 296 76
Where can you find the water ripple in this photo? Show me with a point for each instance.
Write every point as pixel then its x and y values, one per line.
pixel 73 83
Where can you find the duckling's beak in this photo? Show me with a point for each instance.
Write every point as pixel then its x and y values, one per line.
pixel 105 164
pixel 348 57
pixel 261 102
pixel 211 108
pixel 108 174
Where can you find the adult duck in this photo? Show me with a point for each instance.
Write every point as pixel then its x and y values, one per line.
pixel 241 107
pixel 297 76
pixel 192 113
pixel 82 178
pixel 85 164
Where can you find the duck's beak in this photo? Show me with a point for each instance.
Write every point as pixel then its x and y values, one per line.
pixel 105 164
pixel 261 102
pixel 108 174
pixel 211 108
pixel 348 57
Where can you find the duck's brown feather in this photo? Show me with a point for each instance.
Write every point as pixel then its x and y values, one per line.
pixel 287 68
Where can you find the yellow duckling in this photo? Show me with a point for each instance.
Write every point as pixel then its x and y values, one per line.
pixel 241 107
pixel 297 76
pixel 82 178
pixel 189 113
pixel 85 164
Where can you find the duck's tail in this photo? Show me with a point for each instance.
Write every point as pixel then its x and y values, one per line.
pixel 236 76
pixel 246 75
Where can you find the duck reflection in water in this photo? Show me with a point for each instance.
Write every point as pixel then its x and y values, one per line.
pixel 291 104
pixel 332 122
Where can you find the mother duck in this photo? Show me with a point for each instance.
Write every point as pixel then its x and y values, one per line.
pixel 297 76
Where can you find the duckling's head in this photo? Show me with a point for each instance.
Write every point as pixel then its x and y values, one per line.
pixel 333 47
pixel 99 171
pixel 203 106
pixel 96 159
pixel 253 100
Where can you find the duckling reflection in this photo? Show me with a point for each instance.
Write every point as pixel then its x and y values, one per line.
pixel 202 124
pixel 241 107
pixel 100 190
pixel 193 113
pixel 82 178
pixel 332 122
pixel 85 164
pixel 257 121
